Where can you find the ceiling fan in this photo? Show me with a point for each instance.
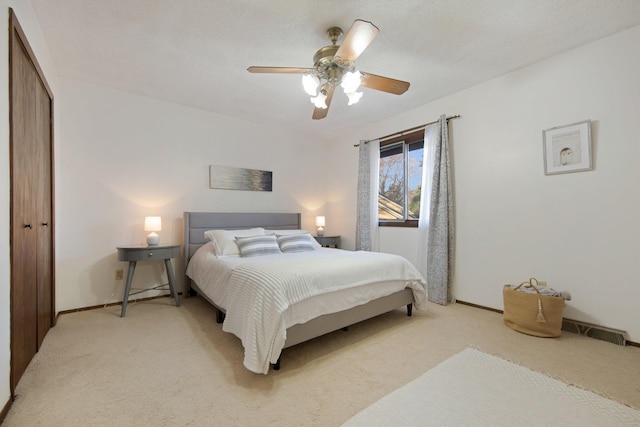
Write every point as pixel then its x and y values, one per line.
pixel 335 65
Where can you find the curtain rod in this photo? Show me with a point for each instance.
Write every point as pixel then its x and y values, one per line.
pixel 402 132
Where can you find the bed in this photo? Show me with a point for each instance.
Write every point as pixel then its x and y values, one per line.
pixel 299 312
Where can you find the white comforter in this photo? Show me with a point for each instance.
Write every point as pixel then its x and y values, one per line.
pixel 256 292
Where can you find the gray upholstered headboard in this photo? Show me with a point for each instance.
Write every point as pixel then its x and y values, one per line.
pixel 196 223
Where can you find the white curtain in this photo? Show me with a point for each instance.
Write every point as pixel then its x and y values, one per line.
pixel 436 225
pixel 431 137
pixel 367 198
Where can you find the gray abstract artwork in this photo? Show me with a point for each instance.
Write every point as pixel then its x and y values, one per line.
pixel 230 178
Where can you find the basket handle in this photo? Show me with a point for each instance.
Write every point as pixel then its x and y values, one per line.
pixel 530 282
pixel 540 317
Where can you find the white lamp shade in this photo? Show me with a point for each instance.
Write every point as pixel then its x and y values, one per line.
pixel 319 101
pixel 153 224
pixel 310 83
pixel 320 225
pixel 351 81
pixel 354 97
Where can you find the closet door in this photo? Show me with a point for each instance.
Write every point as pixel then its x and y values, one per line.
pixel 43 216
pixel 32 255
pixel 24 189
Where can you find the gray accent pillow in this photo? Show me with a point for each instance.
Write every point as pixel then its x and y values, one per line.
pixel 296 243
pixel 257 245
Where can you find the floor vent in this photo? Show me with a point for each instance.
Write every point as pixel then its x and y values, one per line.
pixel 614 336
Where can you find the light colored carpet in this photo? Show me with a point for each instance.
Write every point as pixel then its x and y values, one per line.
pixel 173 366
pixel 476 389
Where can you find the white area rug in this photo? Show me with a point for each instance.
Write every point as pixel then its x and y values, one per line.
pixel 475 389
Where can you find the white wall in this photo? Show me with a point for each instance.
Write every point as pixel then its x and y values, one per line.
pixel 124 157
pixel 29 24
pixel 577 231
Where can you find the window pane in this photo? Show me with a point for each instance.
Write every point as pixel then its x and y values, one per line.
pixel 391 184
pixel 414 168
pixel 400 183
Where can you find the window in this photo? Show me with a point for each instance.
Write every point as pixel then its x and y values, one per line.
pixel 400 180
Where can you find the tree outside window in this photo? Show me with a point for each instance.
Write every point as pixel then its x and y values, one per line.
pixel 400 180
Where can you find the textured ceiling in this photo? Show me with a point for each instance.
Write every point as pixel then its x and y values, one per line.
pixel 195 52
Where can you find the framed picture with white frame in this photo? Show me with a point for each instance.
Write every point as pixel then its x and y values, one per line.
pixel 567 148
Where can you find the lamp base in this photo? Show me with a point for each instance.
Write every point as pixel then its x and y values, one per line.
pixel 153 239
pixel 320 231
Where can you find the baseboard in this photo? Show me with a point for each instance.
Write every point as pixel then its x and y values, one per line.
pixel 5 410
pixel 479 306
pixel 93 307
pixel 626 342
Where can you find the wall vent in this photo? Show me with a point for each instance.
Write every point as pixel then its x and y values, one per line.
pixel 614 336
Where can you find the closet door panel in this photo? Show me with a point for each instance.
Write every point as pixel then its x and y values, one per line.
pixel 24 190
pixel 44 247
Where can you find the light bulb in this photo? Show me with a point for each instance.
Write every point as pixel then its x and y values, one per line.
pixel 310 83
pixel 354 97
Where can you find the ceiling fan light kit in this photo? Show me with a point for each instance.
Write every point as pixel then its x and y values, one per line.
pixel 320 101
pixel 351 81
pixel 354 97
pixel 310 83
pixel 334 65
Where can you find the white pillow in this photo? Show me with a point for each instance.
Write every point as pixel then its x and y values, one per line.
pixel 224 242
pixel 314 242
pixel 300 242
pixel 258 245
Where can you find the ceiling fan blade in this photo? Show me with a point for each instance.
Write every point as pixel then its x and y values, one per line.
pixel 384 84
pixel 279 70
pixel 321 113
pixel 359 36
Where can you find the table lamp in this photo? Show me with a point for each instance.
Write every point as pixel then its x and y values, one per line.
pixel 320 225
pixel 153 224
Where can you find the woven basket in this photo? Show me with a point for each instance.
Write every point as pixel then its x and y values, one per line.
pixel 532 314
